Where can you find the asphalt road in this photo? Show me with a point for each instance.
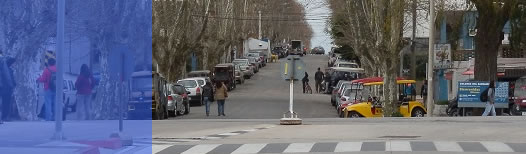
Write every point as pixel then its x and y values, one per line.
pixel 266 96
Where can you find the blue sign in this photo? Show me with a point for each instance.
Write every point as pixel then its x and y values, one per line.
pixel 469 94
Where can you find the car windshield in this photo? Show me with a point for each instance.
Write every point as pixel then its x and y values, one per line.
pixel 188 83
pixel 179 89
pixel 142 83
pixel 348 65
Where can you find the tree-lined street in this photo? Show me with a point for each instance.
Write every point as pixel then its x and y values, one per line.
pixel 266 96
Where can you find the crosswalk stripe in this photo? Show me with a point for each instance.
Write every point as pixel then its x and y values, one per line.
pixel 496 146
pixel 448 146
pixel 201 149
pixel 158 148
pixel 299 147
pixel 348 146
pixel 249 148
pixel 398 146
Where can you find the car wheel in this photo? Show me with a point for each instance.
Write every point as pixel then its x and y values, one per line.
pixel 182 110
pixel 515 110
pixel 417 112
pixel 187 108
pixel 354 114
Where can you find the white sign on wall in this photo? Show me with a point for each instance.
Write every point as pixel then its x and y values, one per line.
pixel 442 55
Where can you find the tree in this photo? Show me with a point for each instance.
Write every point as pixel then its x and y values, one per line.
pixel 492 16
pixel 374 30
pixel 213 28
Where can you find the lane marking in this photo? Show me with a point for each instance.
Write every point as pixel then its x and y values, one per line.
pixel 159 148
pixel 348 146
pixel 299 147
pixel 249 148
pixel 398 146
pixel 492 146
pixel 201 149
pixel 448 146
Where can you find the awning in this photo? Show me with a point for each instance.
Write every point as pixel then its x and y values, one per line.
pixel 471 71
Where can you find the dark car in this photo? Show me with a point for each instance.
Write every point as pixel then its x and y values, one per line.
pixel 225 73
pixel 184 107
pixel 147 98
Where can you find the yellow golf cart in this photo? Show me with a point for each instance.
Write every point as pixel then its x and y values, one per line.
pixel 372 107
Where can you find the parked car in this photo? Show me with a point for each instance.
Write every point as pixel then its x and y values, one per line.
pixel 247 71
pixel 141 90
pixel 254 64
pixel 201 73
pixel 181 103
pixel 349 96
pixel 240 76
pixel 518 105
pixel 193 86
pixel 343 64
pixel 260 58
pixel 336 93
pixel 225 73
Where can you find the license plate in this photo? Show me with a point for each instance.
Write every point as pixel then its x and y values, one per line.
pixel 523 113
pixel 131 107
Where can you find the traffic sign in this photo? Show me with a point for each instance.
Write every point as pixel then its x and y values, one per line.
pixel 293 68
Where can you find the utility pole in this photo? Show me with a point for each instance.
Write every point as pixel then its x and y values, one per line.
pixel 431 58
pixel 413 43
pixel 259 12
pixel 59 135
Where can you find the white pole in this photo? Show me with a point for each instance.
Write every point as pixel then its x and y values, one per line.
pixel 291 97
pixel 60 70
pixel 431 59
pixel 259 12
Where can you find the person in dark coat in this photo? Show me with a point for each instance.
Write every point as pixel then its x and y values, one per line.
pixel 305 81
pixel 318 77
pixel 208 96
pixel 7 87
pixel 327 81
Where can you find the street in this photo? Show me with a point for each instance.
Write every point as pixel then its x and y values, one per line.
pixel 266 96
pixel 252 126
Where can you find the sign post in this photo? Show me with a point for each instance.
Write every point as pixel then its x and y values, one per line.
pixel 292 69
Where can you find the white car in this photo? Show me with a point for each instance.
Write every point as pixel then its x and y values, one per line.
pixel 346 65
pixel 193 86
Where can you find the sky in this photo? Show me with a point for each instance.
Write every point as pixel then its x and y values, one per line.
pixel 318 9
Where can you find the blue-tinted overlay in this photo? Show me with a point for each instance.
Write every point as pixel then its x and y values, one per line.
pixel 107 65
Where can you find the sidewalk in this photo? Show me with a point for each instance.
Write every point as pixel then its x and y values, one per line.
pixel 87 137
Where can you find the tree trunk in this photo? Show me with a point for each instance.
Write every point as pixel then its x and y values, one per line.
pixel 487 45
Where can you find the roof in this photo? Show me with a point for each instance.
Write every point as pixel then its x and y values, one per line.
pixel 373 79
pixel 397 82
pixel 347 69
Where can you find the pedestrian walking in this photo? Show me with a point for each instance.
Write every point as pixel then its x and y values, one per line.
pixel 318 77
pixel 490 102
pixel 208 96
pixel 6 87
pixel 48 77
pixel 221 95
pixel 305 81
pixel 327 77
pixel 84 84
pixel 423 92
